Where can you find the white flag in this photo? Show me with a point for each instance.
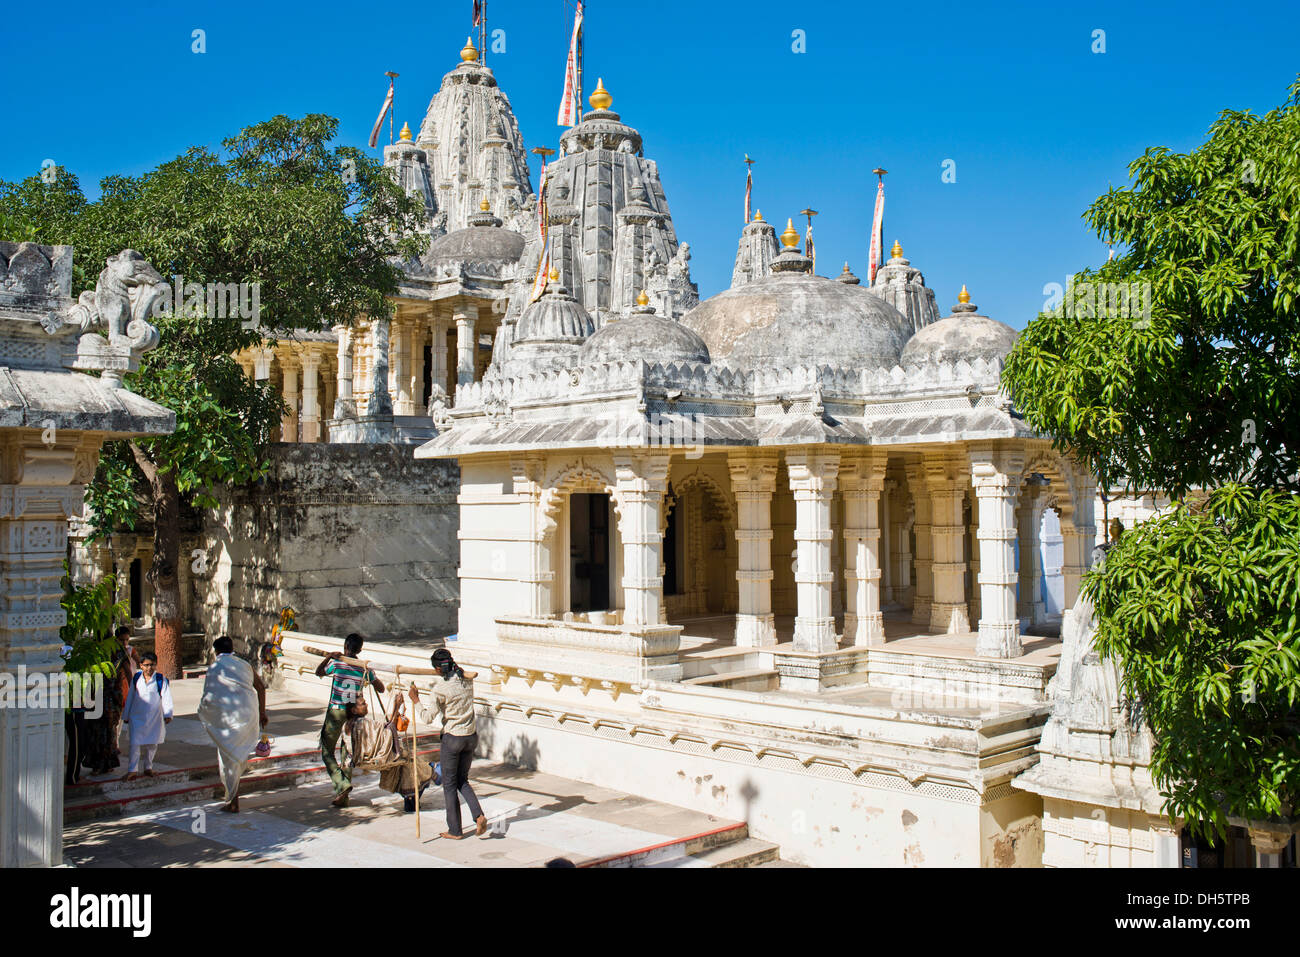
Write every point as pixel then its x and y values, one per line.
pixel 570 109
pixel 379 123
pixel 544 262
pixel 877 234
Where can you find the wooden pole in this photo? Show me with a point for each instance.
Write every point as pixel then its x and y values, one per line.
pixel 373 666
pixel 415 756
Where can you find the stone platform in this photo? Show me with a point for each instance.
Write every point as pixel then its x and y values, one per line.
pixel 941 669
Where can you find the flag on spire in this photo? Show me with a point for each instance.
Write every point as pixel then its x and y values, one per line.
pixel 544 260
pixel 379 123
pixel 877 231
pixel 808 247
pixel 749 184
pixel 478 12
pixel 570 108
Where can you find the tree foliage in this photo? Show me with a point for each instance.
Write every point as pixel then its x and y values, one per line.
pixel 1201 607
pixel 315 230
pixel 1200 391
pixel 1207 387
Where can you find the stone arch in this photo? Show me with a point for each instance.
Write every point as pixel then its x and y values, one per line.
pixel 717 498
pixel 580 476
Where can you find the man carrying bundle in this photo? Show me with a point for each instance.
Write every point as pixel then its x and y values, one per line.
pixel 345 702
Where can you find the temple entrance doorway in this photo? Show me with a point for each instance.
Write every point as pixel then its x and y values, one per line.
pixel 590 552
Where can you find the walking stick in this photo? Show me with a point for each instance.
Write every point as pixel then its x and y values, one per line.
pixel 415 758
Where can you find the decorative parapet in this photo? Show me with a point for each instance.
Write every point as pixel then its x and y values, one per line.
pixel 613 652
pixel 704 380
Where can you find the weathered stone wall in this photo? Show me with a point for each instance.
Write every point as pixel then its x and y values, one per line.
pixel 353 537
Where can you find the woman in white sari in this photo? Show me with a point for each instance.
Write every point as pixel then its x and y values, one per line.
pixel 233 712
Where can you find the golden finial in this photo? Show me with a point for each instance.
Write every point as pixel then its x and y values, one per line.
pixel 600 99
pixel 485 206
pixel 963 297
pixel 468 52
pixel 555 274
pixel 405 135
pixel 758 215
pixel 790 238
pixel 897 251
pixel 643 299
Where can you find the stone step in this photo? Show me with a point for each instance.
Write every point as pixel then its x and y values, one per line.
pixel 750 852
pixel 715 661
pixel 159 792
pixel 674 849
pixel 114 786
pixel 747 679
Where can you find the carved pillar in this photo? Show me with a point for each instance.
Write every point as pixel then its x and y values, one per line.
pixel 1269 845
pixel 262 363
pixel 900 541
pixel 753 480
pixel 537 575
pixel 344 403
pixel 289 388
pixel 812 482
pixel 862 481
pixel 37 498
pixel 996 476
pixel 946 479
pixel 1077 532
pixel 640 483
pixel 403 404
pixel 886 573
pixel 1029 518
pixel 438 351
pixel 466 317
pixel 973 596
pixel 417 335
pixel 380 401
pixel 310 396
pixel 924 544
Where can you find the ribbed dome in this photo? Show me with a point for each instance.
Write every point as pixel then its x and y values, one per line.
pixel 792 316
pixel 963 335
pixel 479 244
pixel 644 336
pixel 555 318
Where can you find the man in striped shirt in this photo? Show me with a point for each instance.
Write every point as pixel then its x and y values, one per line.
pixel 347 688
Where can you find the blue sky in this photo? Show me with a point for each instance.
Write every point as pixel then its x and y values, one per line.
pixel 1036 123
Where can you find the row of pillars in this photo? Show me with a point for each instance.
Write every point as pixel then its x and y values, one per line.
pixel 939 484
pixel 364 384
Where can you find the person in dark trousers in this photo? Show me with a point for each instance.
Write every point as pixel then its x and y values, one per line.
pixel 453 698
pixel 346 689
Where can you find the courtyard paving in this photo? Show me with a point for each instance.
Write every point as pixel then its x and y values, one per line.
pixel 173 821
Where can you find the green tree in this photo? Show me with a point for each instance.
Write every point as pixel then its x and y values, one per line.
pixel 317 231
pixel 1200 391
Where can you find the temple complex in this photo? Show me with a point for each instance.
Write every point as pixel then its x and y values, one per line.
pixel 787 554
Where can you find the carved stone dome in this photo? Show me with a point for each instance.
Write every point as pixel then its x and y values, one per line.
pixel 963 335
pixel 477 244
pixel 643 335
pixel 555 319
pixel 795 317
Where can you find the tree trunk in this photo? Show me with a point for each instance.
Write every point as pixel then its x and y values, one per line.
pixel 163 573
